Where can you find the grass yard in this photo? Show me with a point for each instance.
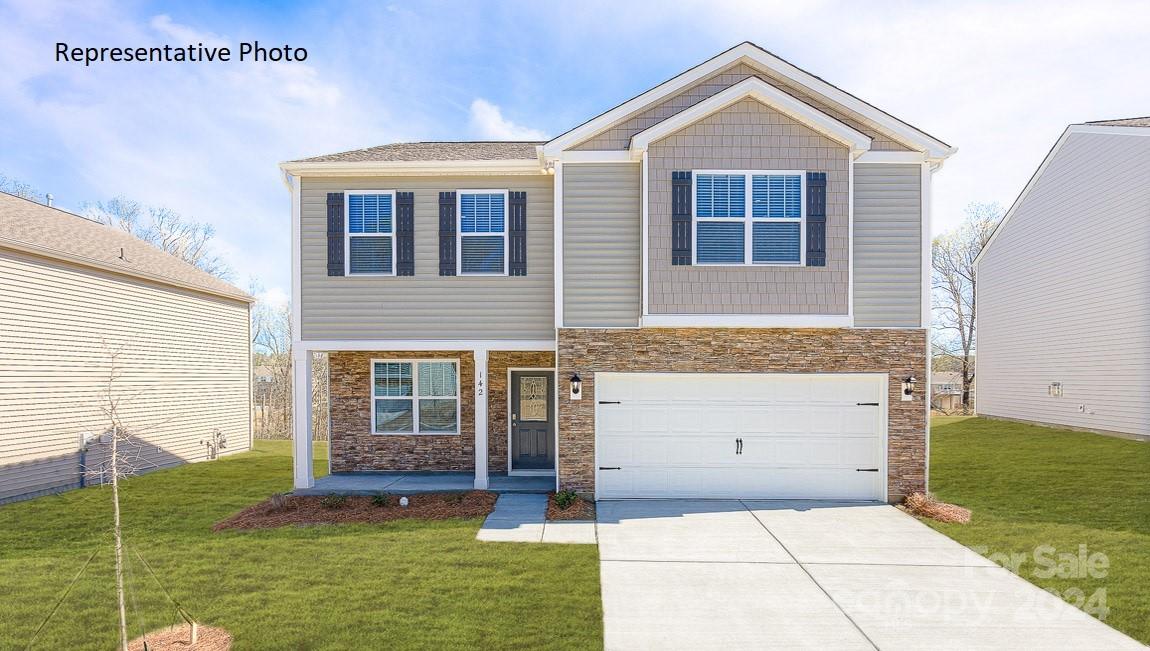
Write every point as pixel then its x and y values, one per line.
pixel 1034 486
pixel 402 585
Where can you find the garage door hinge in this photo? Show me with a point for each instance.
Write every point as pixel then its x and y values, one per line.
pixel 609 468
pixel 867 404
pixel 610 402
pixel 866 469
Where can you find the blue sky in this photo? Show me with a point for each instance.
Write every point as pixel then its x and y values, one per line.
pixel 999 80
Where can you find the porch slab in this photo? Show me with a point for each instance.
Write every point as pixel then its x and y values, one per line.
pixel 408 483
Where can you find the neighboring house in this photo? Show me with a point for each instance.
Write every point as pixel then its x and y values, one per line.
pixel 1064 288
pixel 74 294
pixel 946 391
pixel 715 289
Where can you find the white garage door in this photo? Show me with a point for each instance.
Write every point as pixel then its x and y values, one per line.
pixel 714 435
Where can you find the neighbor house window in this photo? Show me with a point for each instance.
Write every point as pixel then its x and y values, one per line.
pixel 482 232
pixel 370 233
pixel 749 217
pixel 415 397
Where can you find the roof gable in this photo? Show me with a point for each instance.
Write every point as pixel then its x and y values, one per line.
pixel 759 58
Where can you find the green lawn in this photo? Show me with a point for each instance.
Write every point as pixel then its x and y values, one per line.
pixel 1035 486
pixel 404 585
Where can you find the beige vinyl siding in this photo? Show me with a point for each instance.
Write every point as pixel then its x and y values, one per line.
pixel 601 245
pixel 184 369
pixel 427 305
pixel 747 135
pixel 888 245
pixel 1064 293
pixel 618 135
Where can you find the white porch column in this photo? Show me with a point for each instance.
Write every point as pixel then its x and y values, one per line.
pixel 301 419
pixel 481 419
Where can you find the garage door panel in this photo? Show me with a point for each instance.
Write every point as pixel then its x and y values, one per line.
pixel 674 435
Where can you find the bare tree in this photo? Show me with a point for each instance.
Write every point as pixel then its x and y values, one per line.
pixel 272 350
pixel 163 228
pixel 20 189
pixel 954 285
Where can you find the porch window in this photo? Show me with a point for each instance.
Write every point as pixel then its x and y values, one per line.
pixel 415 397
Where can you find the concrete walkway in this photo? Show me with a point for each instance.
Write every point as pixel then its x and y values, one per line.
pixel 523 518
pixel 741 574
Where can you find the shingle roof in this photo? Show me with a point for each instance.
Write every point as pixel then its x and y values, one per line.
pixel 53 232
pixel 433 151
pixel 1127 122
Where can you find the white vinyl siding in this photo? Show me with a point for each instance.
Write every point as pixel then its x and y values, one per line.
pixel 888 245
pixel 1064 293
pixel 749 218
pixel 434 306
pixel 184 368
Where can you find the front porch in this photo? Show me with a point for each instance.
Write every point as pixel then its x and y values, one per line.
pixel 407 483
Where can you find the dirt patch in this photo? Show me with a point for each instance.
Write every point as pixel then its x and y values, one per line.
pixel 581 509
pixel 925 506
pixel 282 511
pixel 208 638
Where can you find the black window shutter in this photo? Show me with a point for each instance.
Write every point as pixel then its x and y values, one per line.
pixel 816 219
pixel 335 233
pixel 517 233
pixel 681 218
pixel 447 233
pixel 405 233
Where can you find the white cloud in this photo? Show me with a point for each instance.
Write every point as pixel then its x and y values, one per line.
pixel 276 297
pixel 183 34
pixel 488 123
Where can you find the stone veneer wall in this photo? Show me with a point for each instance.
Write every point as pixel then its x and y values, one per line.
pixel 355 448
pixel 497 364
pixel 899 352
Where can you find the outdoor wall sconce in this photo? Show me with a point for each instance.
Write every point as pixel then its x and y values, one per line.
pixel 576 387
pixel 908 388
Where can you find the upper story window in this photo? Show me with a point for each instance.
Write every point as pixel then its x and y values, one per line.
pixel 749 217
pixel 482 232
pixel 370 233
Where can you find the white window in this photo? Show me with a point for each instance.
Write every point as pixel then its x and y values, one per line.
pixel 749 217
pixel 482 232
pixel 415 396
pixel 369 234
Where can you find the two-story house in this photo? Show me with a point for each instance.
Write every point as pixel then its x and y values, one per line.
pixel 718 288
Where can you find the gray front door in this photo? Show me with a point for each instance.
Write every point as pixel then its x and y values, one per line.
pixel 532 420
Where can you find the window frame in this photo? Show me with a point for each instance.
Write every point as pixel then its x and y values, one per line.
pixel 347 234
pixel 415 397
pixel 749 220
pixel 459 234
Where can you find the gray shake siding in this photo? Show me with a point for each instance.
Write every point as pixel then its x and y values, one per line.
pixel 747 135
pixel 427 305
pixel 601 245
pixel 1064 293
pixel 888 245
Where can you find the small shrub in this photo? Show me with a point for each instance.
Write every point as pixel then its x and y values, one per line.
pixel 453 498
pixel 333 501
pixel 382 500
pixel 565 499
pixel 278 503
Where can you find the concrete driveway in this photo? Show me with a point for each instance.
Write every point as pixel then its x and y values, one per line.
pixel 680 574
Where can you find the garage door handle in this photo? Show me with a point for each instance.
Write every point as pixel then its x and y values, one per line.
pixel 610 402
pixel 866 469
pixel 609 468
pixel 867 404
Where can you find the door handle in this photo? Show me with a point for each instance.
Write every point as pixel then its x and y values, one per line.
pixel 866 469
pixel 738 446
pixel 609 468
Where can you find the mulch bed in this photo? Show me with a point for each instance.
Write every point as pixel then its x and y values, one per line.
pixel 208 638
pixel 581 510
pixel 282 511
pixel 925 506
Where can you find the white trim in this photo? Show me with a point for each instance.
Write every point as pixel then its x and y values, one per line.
pixel 850 241
pixel 644 179
pixel 746 321
pixel 302 476
pixel 748 220
pixel 480 442
pixel 416 168
pixel 415 397
pixel 596 156
pixel 760 90
pixel 557 247
pixel 388 345
pixel 554 414
pixel 748 51
pixel 892 157
pixel 459 234
pixel 347 234
pixel 1072 129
